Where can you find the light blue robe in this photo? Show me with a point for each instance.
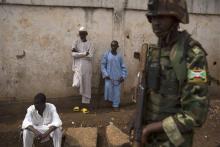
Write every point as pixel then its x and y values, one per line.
pixel 114 67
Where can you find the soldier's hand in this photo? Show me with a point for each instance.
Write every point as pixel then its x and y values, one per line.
pixel 87 53
pixel 151 128
pixel 145 133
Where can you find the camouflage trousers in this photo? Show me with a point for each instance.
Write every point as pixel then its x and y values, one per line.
pixel 160 144
pixel 166 143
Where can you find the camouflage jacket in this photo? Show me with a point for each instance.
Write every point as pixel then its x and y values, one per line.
pixel 181 102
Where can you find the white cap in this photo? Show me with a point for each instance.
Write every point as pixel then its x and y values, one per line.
pixel 82 29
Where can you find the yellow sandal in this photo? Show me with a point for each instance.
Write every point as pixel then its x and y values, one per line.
pixel 84 110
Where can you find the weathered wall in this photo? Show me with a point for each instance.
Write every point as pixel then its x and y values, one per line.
pixel 35 41
pixel 203 28
pixel 45 36
pixel 195 6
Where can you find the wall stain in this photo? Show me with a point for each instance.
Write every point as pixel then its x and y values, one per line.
pixel 25 23
pixel 21 56
pixel 47 40
pixel 118 16
pixel 195 30
pixel 125 4
pixel 89 16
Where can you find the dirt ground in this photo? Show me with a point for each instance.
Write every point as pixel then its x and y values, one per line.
pixel 207 136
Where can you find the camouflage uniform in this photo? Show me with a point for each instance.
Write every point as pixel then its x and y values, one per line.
pixel 181 102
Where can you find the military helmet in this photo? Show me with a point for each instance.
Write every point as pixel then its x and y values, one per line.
pixel 176 8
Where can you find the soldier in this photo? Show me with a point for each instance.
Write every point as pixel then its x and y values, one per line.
pixel 176 97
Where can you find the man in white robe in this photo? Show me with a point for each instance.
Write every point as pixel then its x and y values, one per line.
pixel 82 51
pixel 41 122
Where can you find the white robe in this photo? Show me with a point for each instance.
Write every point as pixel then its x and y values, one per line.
pixel 82 68
pixel 42 124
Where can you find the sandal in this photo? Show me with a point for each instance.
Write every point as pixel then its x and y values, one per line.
pixel 84 110
pixel 76 109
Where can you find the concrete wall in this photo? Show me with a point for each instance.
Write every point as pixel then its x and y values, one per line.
pixel 36 37
pixel 45 36
pixel 195 6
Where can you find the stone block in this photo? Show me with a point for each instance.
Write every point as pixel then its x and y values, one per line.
pixel 115 137
pixel 81 137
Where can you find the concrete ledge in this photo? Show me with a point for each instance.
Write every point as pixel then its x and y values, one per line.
pixel 81 137
pixel 115 137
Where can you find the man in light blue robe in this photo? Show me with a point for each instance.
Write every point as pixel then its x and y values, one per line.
pixel 114 72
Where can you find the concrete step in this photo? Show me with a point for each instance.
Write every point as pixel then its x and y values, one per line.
pixel 115 137
pixel 81 137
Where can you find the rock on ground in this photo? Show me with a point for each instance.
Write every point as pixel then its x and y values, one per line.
pixel 81 137
pixel 115 137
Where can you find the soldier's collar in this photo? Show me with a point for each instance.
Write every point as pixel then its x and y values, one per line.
pixel 170 39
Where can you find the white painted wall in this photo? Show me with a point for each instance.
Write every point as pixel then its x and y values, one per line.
pixel 46 33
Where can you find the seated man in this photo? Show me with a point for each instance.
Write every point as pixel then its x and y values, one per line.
pixel 41 122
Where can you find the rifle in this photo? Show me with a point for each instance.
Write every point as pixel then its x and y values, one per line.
pixel 143 88
pixel 140 97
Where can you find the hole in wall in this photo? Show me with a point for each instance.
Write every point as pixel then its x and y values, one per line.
pixel 214 63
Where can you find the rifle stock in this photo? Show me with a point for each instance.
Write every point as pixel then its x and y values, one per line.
pixel 139 117
pixel 140 99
